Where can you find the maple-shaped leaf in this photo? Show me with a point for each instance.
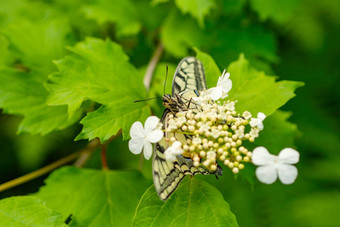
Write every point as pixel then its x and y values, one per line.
pixel 100 71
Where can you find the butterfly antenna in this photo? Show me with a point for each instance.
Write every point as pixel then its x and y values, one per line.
pixel 166 77
pixel 143 100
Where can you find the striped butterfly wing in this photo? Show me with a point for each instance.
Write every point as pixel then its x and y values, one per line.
pixel 189 76
pixel 167 175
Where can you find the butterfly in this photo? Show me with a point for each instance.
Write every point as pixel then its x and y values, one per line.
pixel 189 79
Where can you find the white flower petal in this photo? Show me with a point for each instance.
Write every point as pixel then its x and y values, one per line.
pixel 287 173
pixel 260 126
pixel 155 136
pixel 261 156
pixel 215 93
pixel 136 145
pixel 266 174
pixel 226 86
pixel 137 130
pixel 151 124
pixel 147 150
pixel 261 116
pixel 254 122
pixel 289 156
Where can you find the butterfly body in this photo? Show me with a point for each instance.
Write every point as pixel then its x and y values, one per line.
pixel 189 78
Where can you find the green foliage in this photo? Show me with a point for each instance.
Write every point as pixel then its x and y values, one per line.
pixel 100 71
pixel 72 64
pixel 260 93
pixel 122 13
pixel 28 211
pixel 94 197
pixel 177 38
pixel 193 204
pixel 24 94
pixel 210 68
pixel 278 132
pixel 278 12
pixel 197 8
pixel 325 207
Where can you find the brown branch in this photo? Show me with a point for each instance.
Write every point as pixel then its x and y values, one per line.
pixel 152 65
pixel 103 156
pixel 85 155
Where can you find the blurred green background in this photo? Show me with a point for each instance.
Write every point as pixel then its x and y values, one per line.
pixel 294 39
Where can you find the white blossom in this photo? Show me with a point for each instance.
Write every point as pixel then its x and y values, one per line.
pixel 215 133
pixel 230 106
pixel 211 155
pixel 172 151
pixel 181 120
pixel 254 132
pixel 224 85
pixel 239 133
pixel 246 115
pixel 257 122
pixel 202 98
pixel 272 166
pixel 171 125
pixel 196 141
pixel 143 137
pixel 205 127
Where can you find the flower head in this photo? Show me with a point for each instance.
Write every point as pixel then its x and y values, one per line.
pixel 172 151
pixel 272 166
pixel 246 115
pixel 143 137
pixel 257 122
pixel 224 85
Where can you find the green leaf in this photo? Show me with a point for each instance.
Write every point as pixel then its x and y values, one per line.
pixel 34 44
pixel 280 12
pixel 257 92
pixel 94 197
pixel 322 207
pixel 197 8
pixel 123 13
pixel 233 6
pixel 210 68
pixel 106 121
pixel 5 57
pixel 278 132
pixel 156 2
pixel 256 42
pixel 37 43
pixel 23 94
pixel 28 211
pixel 179 33
pixel 195 203
pixel 100 71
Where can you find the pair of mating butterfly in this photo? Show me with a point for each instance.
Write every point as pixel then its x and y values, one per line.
pixel 188 80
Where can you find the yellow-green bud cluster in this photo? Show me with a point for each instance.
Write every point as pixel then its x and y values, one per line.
pixel 214 132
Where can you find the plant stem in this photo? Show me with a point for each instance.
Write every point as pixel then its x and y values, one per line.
pixel 84 156
pixel 152 65
pixel 141 161
pixel 39 172
pixel 103 156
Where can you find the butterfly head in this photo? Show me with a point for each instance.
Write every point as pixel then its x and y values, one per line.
pixel 169 102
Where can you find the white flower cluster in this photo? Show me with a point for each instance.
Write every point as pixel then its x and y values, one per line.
pixel 213 131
